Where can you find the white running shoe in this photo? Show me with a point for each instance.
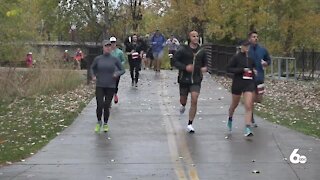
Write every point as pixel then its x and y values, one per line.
pixel 190 129
pixel 182 109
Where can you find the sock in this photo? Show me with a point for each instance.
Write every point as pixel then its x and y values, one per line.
pixel 190 122
pixel 230 119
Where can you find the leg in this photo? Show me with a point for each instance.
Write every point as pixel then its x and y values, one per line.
pixel 117 84
pixel 160 56
pixel 137 69
pixel 183 100
pixel 248 104
pixel 234 104
pixel 194 104
pixel 108 92
pixel 100 102
pixel 131 71
pixel 184 91
pixel 115 98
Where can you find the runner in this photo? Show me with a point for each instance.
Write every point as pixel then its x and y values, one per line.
pixel 173 45
pixel 134 51
pixel 261 59
pixel 242 84
pixel 105 70
pixel 192 63
pixel 158 43
pixel 118 53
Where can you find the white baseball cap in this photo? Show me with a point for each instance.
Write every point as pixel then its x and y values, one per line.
pixel 113 39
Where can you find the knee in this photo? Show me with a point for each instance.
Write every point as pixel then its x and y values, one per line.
pixel 194 102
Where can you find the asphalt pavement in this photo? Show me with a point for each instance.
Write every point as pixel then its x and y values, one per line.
pixel 148 140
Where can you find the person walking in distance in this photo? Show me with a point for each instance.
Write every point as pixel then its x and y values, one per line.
pixel 191 62
pixel 173 45
pixel 134 51
pixel 29 60
pixel 78 58
pixel 261 59
pixel 243 83
pixel 105 70
pixel 118 53
pixel 158 43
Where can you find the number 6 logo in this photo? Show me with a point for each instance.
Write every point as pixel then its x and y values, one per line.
pixel 295 158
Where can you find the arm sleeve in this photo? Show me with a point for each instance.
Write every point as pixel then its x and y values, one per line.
pixel 177 59
pixel 120 68
pixel 232 66
pixel 122 58
pixel 267 57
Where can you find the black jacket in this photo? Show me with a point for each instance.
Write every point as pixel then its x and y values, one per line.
pixel 237 64
pixel 184 56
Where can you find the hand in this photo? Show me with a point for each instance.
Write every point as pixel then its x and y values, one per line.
pixel 204 69
pixel 255 72
pixel 189 68
pixel 264 63
pixel 94 78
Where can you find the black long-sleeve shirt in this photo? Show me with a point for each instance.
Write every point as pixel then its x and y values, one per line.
pixel 236 66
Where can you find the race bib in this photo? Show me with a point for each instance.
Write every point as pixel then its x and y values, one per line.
pixel 135 55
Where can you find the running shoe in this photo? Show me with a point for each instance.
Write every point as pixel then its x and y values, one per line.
pixel 190 129
pixel 182 109
pixel 105 128
pixel 115 99
pixel 229 124
pixel 248 132
pixel 97 128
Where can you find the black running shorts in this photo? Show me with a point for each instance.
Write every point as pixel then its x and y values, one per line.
pixel 239 87
pixel 186 88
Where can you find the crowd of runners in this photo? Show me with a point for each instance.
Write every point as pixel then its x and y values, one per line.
pixel 190 59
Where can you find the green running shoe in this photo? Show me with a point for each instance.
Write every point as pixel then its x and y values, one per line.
pixel 105 128
pixel 97 128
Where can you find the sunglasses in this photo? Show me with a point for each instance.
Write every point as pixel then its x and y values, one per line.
pixel 107 45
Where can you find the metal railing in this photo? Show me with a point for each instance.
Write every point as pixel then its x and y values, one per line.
pixel 281 65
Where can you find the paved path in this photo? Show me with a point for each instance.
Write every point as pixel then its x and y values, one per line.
pixel 147 140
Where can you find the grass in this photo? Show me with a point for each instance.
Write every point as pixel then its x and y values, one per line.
pixel 27 124
pixel 294 117
pixel 36 105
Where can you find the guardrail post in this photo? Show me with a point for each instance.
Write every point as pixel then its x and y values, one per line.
pixel 287 68
pixel 279 67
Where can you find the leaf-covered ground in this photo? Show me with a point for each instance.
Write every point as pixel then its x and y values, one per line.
pixel 27 124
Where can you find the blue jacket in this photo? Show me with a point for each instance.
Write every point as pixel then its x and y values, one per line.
pixel 158 43
pixel 257 53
